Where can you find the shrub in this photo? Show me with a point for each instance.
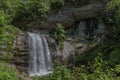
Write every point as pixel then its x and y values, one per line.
pixel 32 11
pixel 61 73
pixel 115 6
pixel 115 56
pixel 7 72
pixel 2 19
pixel 98 69
pixel 59 35
pixel 9 8
pixel 7 35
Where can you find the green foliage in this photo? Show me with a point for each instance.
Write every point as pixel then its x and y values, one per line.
pixel 57 5
pixel 7 72
pixel 32 11
pixel 96 70
pixel 61 73
pixel 115 6
pixel 115 55
pixel 2 19
pixel 112 4
pixel 81 59
pixel 20 13
pixel 99 69
pixel 9 9
pixel 117 19
pixel 7 35
pixel 59 35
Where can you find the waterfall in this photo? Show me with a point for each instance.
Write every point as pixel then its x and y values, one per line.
pixel 40 62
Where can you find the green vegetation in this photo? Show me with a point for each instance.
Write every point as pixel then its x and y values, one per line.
pixel 115 56
pixel 9 9
pixel 59 35
pixel 20 13
pixel 98 69
pixel 2 19
pixel 8 72
pixel 31 10
pixel 115 6
pixel 103 62
pixel 7 35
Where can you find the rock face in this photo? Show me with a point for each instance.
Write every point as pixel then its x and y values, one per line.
pixel 85 33
pixel 21 53
pixel 87 28
pixel 2 49
pixel 81 38
pixel 77 39
pixel 71 48
pixel 78 42
pixel 70 16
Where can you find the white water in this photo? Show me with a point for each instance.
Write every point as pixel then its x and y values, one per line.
pixel 40 62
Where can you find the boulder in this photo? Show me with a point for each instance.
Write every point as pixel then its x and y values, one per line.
pixel 69 17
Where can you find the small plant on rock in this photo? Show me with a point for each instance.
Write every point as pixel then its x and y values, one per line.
pixel 59 35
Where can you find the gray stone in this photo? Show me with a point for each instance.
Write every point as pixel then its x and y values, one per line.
pixel 3 52
pixel 67 18
pixel 69 49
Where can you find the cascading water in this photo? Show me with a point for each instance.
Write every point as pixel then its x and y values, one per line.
pixel 40 62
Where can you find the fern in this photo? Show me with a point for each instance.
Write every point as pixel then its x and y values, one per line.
pixel 59 35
